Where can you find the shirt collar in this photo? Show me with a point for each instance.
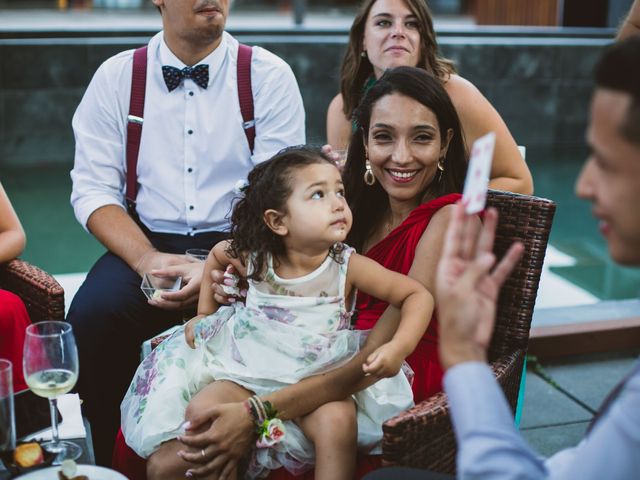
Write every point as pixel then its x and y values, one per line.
pixel 214 59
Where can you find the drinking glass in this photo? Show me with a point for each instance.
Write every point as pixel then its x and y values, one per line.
pixel 7 416
pixel 50 366
pixel 197 254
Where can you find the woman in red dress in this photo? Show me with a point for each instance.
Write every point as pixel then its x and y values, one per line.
pixel 404 171
pixel 13 315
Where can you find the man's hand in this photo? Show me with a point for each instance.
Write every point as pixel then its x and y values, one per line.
pixel 172 265
pixel 224 435
pixel 385 361
pixel 467 287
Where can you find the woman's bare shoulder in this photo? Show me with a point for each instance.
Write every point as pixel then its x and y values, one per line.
pixel 461 90
pixel 336 104
pixel 440 219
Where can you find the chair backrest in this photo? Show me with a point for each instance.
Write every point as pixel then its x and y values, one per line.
pixel 527 219
pixel 41 293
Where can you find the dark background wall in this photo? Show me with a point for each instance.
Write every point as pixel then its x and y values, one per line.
pixel 540 81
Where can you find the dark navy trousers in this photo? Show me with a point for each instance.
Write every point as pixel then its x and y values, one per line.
pixel 111 318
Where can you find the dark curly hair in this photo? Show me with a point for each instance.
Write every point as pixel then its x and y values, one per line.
pixel 368 203
pixel 269 187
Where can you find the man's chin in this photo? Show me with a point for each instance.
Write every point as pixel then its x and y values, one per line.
pixel 628 257
pixel 210 33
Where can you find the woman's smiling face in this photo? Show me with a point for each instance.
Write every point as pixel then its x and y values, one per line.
pixel 404 144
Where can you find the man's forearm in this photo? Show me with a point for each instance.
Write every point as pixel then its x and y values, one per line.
pixel 631 24
pixel 117 231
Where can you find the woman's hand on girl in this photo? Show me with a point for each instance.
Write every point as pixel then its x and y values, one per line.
pixel 224 279
pixel 218 448
pixel 339 157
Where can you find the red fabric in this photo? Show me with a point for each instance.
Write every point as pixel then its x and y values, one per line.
pixel 14 320
pixel 126 461
pixel 134 129
pixel 245 93
pixel 396 252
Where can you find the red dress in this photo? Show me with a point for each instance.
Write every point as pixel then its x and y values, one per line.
pixel 395 252
pixel 14 321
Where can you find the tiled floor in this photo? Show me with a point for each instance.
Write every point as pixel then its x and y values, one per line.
pixel 556 418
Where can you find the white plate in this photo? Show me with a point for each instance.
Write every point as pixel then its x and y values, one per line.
pixel 91 471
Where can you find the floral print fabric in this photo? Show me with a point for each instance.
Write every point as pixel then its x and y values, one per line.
pixel 279 337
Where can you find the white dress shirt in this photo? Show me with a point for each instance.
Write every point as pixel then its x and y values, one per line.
pixel 489 446
pixel 193 148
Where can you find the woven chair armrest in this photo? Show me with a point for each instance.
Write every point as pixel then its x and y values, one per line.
pixel 41 293
pixel 422 437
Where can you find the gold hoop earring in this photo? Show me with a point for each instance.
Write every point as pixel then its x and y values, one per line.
pixel 440 169
pixel 369 177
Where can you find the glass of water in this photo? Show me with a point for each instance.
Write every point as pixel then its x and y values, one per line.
pixel 50 366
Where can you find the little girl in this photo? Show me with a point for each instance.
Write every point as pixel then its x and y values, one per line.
pixel 286 239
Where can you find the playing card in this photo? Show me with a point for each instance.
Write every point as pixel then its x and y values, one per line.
pixel 474 195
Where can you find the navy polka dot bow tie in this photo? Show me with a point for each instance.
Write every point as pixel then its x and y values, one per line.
pixel 173 76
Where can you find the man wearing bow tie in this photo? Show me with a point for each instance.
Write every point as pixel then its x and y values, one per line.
pixel 192 150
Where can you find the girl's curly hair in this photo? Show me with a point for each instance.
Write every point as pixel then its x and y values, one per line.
pixel 269 187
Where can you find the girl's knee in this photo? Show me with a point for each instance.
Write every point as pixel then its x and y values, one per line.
pixel 162 465
pixel 338 424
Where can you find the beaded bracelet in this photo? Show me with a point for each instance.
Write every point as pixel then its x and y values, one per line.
pixel 270 429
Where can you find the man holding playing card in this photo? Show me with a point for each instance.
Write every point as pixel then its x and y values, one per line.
pixel 467 287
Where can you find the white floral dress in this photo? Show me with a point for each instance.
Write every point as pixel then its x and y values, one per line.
pixel 289 329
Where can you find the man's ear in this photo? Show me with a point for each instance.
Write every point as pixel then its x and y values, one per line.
pixel 274 220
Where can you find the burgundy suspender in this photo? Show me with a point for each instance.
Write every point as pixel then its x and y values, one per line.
pixel 136 111
pixel 134 122
pixel 245 94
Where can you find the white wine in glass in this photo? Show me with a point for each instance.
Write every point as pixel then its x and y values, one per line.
pixel 50 366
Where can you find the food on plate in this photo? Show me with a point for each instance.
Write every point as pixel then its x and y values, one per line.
pixel 28 455
pixel 68 470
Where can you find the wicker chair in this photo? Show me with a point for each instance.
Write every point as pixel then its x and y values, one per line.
pixel 422 437
pixel 40 292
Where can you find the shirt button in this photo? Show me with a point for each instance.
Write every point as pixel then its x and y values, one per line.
pixel 191 207
pixel 189 169
pixel 191 94
pixel 189 132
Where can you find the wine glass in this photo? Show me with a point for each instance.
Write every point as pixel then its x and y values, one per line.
pixel 50 366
